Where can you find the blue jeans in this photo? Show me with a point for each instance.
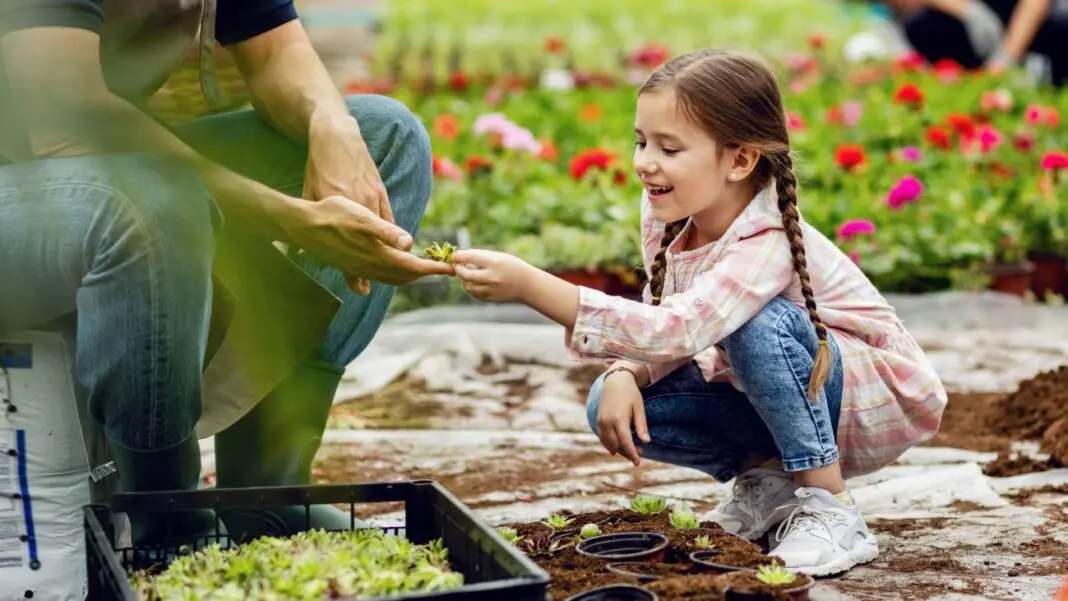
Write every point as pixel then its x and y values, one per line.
pixel 126 243
pixel 717 429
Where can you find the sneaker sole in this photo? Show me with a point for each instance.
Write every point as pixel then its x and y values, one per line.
pixel 865 552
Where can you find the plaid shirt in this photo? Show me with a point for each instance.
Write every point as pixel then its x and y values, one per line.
pixel 892 397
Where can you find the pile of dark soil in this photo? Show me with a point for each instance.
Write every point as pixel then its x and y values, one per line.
pixel 1036 411
pixel 573 573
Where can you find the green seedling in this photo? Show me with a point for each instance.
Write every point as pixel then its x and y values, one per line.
pixel 510 535
pixel 543 546
pixel 683 517
pixel 589 531
pixel 556 522
pixel 648 504
pixel 703 542
pixel 440 252
pixel 774 574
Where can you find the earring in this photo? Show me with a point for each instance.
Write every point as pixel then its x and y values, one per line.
pixel 734 176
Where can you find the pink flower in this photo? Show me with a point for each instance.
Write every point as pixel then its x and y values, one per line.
pixel 911 154
pixel 447 169
pixel 989 138
pixel 495 123
pixel 854 256
pixel 1055 160
pixel 855 227
pixel 511 136
pixel 794 121
pixel 1035 114
pixel 851 112
pixel 906 190
pixel 996 100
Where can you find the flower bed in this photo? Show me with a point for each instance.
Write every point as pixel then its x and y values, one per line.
pixel 928 176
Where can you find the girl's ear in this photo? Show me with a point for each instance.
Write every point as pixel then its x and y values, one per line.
pixel 745 161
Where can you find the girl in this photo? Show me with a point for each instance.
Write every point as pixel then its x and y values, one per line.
pixel 751 357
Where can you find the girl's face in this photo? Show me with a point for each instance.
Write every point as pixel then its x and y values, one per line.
pixel 677 162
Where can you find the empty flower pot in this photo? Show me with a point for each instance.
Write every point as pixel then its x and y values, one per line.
pixel 616 592
pixel 706 562
pixel 744 586
pixel 625 546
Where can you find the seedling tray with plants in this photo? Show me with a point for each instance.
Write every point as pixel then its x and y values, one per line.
pixel 442 552
pixel 651 551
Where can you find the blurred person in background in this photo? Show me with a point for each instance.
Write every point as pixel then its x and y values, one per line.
pixel 995 34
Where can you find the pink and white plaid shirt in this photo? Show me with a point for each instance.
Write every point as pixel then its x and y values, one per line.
pixel 892 397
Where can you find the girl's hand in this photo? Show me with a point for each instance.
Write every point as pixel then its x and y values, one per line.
pixel 622 405
pixel 491 276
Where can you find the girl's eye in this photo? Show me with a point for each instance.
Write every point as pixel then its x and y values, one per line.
pixel 670 151
pixel 640 144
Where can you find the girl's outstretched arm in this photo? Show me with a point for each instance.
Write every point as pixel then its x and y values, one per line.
pixel 499 277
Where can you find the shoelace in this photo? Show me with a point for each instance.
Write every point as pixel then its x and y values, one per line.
pixel 812 519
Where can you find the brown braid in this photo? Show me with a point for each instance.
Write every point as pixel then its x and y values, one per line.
pixel 786 186
pixel 659 266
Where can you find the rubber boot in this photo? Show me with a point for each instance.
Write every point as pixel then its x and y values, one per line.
pixel 275 445
pixel 174 468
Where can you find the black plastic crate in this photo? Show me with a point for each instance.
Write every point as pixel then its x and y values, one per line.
pixel 493 569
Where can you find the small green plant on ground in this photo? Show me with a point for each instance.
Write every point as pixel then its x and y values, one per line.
pixel 510 535
pixel 774 574
pixel 589 531
pixel 703 542
pixel 648 504
pixel 308 566
pixel 683 517
pixel 556 522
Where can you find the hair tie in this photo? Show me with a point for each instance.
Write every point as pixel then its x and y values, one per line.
pixel 656 299
pixel 823 343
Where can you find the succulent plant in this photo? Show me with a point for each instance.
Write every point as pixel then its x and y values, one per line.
pixel 309 566
pixel 648 504
pixel 509 534
pixel 774 574
pixel 558 521
pixel 703 542
pixel 589 531
pixel 440 252
pixel 683 517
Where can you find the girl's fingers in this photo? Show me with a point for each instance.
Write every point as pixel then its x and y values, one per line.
pixel 472 276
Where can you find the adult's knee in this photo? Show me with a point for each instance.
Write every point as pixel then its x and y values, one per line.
pixel 593 402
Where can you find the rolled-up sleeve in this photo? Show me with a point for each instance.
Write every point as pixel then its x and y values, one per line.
pixel 25 14
pixel 240 20
pixel 750 272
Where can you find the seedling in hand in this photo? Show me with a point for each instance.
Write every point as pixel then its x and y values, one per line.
pixel 440 252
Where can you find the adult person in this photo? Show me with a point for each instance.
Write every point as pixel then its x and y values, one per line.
pixel 167 242
pixel 995 34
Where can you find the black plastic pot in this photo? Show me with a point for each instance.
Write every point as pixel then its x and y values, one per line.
pixel 616 592
pixel 626 546
pixel 623 569
pixel 706 562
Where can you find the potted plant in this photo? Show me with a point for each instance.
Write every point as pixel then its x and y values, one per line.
pixel 767 583
pixel 625 546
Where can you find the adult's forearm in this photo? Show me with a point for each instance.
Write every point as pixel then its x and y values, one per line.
pixel 287 81
pixel 1026 19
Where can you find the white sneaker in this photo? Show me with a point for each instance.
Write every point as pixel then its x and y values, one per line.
pixel 821 537
pixel 757 502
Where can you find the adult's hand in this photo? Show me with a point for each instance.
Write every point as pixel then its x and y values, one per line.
pixel 346 235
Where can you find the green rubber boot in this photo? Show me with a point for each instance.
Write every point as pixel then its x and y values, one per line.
pixel 275 445
pixel 174 468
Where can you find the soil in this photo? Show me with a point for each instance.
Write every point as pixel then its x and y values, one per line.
pixel 749 583
pixel 572 573
pixel 689 588
pixel 899 528
pixel 1037 411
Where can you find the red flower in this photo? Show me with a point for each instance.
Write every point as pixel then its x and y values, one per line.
pixel 476 165
pixel 849 156
pixel 650 56
pixel 912 61
pixel 1024 141
pixel 591 112
pixel 909 94
pixel 962 124
pixel 1001 170
pixel 817 41
pixel 554 44
pixel 1055 160
pixel 443 167
pixel 948 70
pixel 794 121
pixel 582 162
pixel 549 151
pixel 458 81
pixel 620 177
pixel 446 126
pixel 938 136
pixel 1037 114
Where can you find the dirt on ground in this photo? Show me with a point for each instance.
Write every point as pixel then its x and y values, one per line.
pixel 1036 411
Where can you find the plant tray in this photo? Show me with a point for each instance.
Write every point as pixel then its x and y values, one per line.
pixel 493 569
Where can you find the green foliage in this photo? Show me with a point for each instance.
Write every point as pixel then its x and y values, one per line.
pixel 774 574
pixel 648 504
pixel 683 517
